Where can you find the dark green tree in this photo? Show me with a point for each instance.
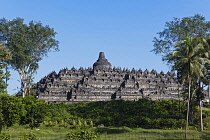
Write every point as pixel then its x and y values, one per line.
pixel 5 55
pixel 36 112
pixel 189 58
pixel 11 110
pixel 28 44
pixel 188 33
pixel 176 30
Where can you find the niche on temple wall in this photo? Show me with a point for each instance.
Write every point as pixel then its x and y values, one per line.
pixel 113 96
pixel 127 77
pixel 69 95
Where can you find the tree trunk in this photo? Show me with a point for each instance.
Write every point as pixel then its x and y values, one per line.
pixel 1 127
pixel 188 108
pixel 209 93
pixel 201 115
pixel 25 82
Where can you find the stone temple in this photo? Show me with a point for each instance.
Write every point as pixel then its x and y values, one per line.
pixel 104 83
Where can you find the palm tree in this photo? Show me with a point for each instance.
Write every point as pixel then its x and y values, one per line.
pixel 189 58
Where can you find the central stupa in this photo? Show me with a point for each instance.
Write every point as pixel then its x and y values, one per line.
pixel 102 62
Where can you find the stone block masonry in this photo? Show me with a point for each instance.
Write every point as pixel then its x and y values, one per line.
pixel 104 83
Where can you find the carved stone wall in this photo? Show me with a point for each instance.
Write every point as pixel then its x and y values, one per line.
pixel 103 83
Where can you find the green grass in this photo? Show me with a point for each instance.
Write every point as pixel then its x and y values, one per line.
pixel 108 133
pixel 43 132
pixel 149 134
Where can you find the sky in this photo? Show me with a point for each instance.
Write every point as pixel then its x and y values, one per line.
pixel 122 29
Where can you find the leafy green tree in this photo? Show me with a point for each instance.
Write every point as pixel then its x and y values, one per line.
pixel 35 112
pixel 176 30
pixel 196 29
pixel 28 45
pixel 189 58
pixel 58 112
pixel 11 110
pixel 5 55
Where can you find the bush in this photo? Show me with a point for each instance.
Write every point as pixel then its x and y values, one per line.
pixel 4 136
pixel 82 134
pixel 205 137
pixel 29 136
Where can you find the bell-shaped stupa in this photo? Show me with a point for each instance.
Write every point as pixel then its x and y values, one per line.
pixel 102 62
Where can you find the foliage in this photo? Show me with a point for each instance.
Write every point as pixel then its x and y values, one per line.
pixel 107 133
pixel 35 112
pixel 82 134
pixel 184 44
pixel 11 110
pixel 189 58
pixel 206 118
pixel 29 136
pixel 205 137
pixel 143 113
pixel 28 45
pixel 176 30
pixel 5 55
pixel 4 136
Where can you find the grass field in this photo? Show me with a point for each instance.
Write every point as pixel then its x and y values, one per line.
pixel 107 133
pixel 149 134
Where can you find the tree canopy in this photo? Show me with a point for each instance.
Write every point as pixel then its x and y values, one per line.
pixel 5 55
pixel 176 30
pixel 184 44
pixel 28 44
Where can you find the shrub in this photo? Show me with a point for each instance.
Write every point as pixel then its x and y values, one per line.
pixel 29 136
pixel 205 137
pixel 4 136
pixel 82 134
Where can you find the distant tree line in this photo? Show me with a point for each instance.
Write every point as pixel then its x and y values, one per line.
pixel 142 113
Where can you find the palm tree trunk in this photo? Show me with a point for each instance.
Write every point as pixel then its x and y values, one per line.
pixel 188 109
pixel 201 116
pixel 209 93
pixel 200 105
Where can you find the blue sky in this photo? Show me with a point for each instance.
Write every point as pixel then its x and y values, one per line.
pixel 123 29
